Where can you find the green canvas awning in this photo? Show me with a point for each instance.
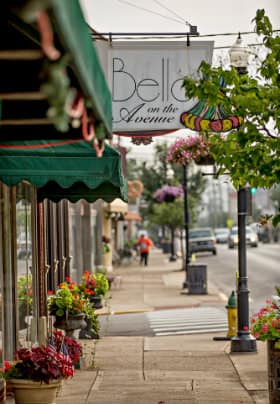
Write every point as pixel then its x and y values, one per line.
pixel 74 34
pixel 72 37
pixel 67 169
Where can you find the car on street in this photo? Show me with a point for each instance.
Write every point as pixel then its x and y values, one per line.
pixel 202 240
pixel 221 235
pixel 251 237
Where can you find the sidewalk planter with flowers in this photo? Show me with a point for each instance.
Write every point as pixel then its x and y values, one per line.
pixel 265 326
pixel 93 286
pixel 36 374
pixel 74 349
pixel 195 148
pixel 68 307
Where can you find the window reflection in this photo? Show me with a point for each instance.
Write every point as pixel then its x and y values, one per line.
pixel 24 262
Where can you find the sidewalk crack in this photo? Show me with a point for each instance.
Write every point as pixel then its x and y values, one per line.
pixel 143 359
pixel 95 384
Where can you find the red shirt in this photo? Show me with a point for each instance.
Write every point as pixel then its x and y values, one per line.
pixel 144 243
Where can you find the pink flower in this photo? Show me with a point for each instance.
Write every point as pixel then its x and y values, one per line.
pixel 265 328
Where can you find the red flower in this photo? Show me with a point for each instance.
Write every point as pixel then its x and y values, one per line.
pixel 68 279
pixel 7 365
pixel 50 292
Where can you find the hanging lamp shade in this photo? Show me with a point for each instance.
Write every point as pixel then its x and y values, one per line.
pixel 203 117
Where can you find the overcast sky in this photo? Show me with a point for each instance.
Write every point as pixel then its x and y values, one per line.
pixel 210 16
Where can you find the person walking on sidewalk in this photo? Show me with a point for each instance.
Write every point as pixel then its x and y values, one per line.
pixel 144 244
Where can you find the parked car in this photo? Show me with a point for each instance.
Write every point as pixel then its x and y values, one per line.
pixel 221 235
pixel 24 246
pixel 201 240
pixel 251 237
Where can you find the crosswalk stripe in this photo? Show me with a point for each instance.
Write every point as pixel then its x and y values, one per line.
pixel 187 321
pixel 191 332
pixel 190 326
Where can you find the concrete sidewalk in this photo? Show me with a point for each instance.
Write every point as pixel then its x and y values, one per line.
pixel 169 369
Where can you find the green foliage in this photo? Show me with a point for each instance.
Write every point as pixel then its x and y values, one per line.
pixel 155 176
pixel 67 300
pixel 102 284
pixel 168 214
pixel 24 285
pixel 249 155
pixel 57 89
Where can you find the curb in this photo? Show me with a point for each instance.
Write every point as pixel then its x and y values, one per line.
pixel 115 312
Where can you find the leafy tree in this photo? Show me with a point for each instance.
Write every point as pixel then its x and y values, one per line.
pixel 168 214
pixel 251 153
pixel 155 176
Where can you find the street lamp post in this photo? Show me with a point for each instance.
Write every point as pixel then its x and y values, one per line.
pixel 244 341
pixel 186 223
pixel 173 257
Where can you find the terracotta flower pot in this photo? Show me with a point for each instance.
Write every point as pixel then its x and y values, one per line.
pixel 30 392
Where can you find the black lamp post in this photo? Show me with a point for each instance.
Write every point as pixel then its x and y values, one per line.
pixel 173 257
pixel 244 341
pixel 186 223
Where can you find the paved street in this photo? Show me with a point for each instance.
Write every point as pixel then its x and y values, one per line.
pixel 263 268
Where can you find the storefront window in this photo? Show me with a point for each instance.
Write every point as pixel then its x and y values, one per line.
pixel 24 262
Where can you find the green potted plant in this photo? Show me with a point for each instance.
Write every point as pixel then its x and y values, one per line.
pixel 24 289
pixel 36 374
pixel 102 285
pixel 68 306
pixel 94 286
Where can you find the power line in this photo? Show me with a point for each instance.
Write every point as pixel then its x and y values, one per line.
pixel 171 11
pixel 172 35
pixel 150 11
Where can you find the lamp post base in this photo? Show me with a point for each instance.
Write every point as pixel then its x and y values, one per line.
pixel 244 343
pixel 172 258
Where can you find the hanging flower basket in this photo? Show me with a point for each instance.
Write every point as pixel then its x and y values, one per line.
pixel 192 148
pixel 168 193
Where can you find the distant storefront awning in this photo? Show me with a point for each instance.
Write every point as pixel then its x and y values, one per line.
pixel 117 206
pixel 67 169
pixel 132 216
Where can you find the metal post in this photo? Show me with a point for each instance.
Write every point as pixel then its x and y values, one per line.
pixel 172 257
pixel 186 224
pixel 244 341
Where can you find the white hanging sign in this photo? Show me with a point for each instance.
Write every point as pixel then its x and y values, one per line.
pixel 146 82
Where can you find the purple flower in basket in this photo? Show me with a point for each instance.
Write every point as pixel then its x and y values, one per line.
pixel 168 193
